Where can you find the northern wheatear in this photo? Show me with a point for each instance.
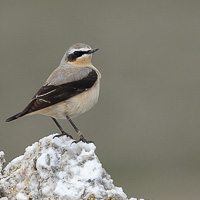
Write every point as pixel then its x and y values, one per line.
pixel 71 89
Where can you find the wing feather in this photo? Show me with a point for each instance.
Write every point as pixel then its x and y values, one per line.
pixel 49 95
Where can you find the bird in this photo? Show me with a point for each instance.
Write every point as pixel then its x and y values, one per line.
pixel 70 90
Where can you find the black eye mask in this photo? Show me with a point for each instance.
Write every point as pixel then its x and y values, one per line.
pixel 76 54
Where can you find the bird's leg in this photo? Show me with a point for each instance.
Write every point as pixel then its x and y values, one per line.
pixel 61 129
pixel 78 132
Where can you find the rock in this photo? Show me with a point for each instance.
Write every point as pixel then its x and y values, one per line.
pixel 2 161
pixel 56 168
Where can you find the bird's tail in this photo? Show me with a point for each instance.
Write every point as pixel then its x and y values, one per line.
pixel 20 114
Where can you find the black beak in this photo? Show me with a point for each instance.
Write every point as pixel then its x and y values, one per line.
pixel 92 51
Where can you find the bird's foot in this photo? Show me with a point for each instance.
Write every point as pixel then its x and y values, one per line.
pixel 82 139
pixel 62 134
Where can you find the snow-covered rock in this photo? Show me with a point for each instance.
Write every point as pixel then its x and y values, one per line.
pixel 57 169
pixel 2 161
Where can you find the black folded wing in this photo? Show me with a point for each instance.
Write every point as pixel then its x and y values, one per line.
pixel 49 95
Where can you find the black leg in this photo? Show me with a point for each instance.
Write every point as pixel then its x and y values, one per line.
pixel 78 132
pixel 61 129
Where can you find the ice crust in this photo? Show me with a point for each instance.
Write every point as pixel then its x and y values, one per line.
pixel 56 168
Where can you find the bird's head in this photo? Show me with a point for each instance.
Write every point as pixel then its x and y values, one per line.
pixel 78 54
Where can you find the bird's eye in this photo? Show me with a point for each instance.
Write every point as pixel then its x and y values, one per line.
pixel 76 53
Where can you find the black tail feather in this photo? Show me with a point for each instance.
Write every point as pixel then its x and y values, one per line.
pixel 15 117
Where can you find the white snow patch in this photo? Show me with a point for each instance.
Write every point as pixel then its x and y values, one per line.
pixel 135 199
pixel 21 196
pixel 56 168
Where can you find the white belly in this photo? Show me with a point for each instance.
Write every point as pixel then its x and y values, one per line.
pixel 73 106
pixel 82 102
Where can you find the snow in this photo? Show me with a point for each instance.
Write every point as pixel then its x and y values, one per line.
pixel 135 199
pixel 21 196
pixel 56 168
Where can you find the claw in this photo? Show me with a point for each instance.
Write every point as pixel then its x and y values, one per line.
pixel 82 139
pixel 62 134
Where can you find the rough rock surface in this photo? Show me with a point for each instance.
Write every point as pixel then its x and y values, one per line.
pixel 56 168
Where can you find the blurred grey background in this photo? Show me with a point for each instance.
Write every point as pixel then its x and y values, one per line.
pixel 146 125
